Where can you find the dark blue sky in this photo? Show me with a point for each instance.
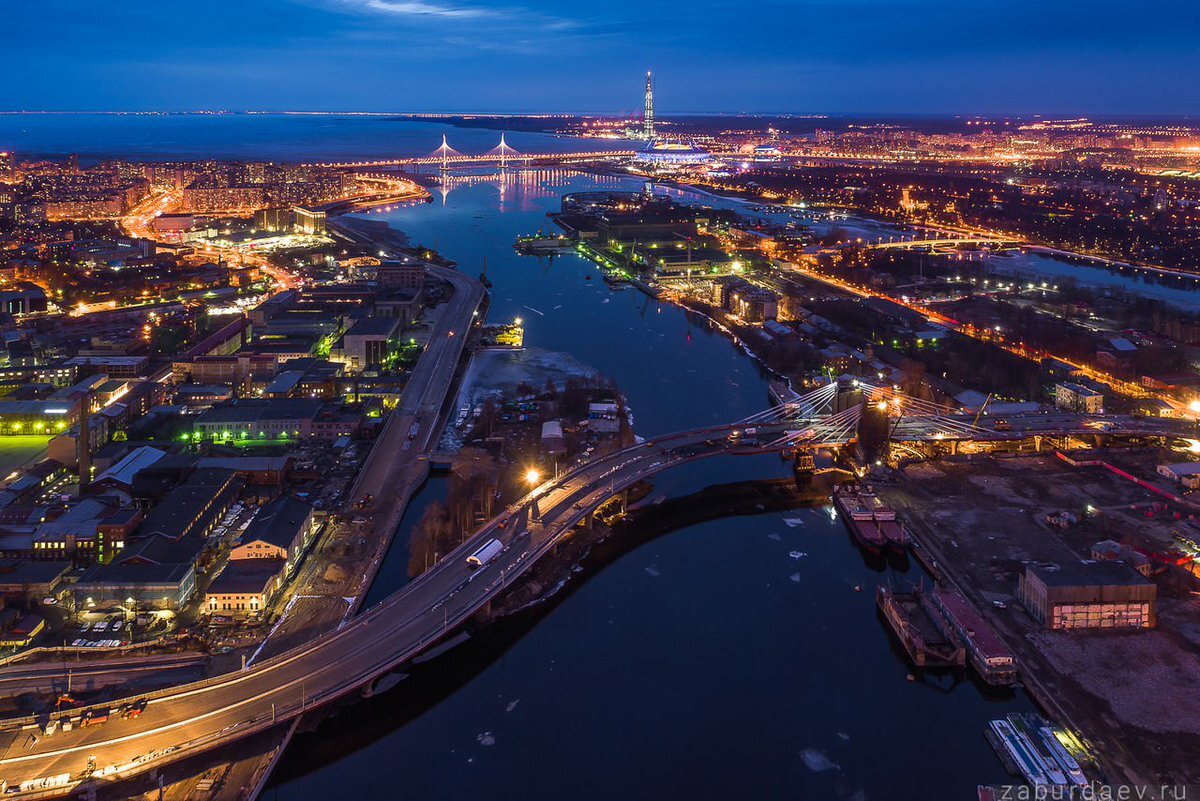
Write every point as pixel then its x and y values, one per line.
pixel 1000 56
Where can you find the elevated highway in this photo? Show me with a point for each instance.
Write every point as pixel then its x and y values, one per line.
pixel 191 718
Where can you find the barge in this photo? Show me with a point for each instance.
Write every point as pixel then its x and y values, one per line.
pixel 858 508
pixel 925 633
pixel 990 657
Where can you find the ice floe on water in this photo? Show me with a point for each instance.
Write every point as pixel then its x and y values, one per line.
pixel 486 738
pixel 774 536
pixel 816 760
pixel 797 554
pixel 795 577
pixel 653 570
pixel 843 736
pixel 512 705
pixel 792 522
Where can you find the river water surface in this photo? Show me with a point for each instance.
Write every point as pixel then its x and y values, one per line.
pixel 730 659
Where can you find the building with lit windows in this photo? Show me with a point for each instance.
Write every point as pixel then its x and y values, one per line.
pixel 283 529
pixel 1088 595
pixel 308 221
pixel 1078 398
pixel 274 419
pixel 22 417
pixel 244 587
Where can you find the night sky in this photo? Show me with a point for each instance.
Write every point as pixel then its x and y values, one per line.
pixel 972 56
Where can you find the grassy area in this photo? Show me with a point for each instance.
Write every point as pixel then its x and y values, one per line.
pixel 16 451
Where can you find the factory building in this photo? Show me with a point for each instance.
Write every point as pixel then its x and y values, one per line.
pixel 1088 595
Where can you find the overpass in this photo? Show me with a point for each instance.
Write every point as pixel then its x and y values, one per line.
pixel 188 719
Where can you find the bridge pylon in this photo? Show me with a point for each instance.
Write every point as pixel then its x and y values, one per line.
pixel 504 151
pixel 444 153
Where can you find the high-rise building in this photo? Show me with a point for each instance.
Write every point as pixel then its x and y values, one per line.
pixel 309 221
pixel 7 163
pixel 648 112
pixel 273 219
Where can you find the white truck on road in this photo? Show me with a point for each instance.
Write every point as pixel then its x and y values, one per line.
pixel 486 553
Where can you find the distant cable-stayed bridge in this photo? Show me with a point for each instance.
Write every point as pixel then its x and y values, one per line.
pixel 503 155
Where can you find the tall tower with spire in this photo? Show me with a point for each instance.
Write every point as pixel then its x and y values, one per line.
pixel 648 113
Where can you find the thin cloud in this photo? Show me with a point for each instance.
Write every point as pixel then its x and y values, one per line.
pixel 415 8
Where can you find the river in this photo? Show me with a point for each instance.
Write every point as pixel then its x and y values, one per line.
pixel 733 658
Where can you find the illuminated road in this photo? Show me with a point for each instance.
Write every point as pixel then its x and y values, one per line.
pixel 138 221
pixel 194 717
pixel 1018 348
pixel 191 718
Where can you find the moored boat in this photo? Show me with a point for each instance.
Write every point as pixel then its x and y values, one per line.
pixel 858 510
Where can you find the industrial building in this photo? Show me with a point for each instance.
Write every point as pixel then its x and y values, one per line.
pixel 244 588
pixel 18 418
pixel 367 343
pixel 1088 595
pixel 274 419
pixel 283 529
pixel 1185 474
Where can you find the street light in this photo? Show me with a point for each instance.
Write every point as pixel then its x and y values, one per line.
pixel 532 477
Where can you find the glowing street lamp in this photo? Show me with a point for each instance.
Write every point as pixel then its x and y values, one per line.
pixel 532 478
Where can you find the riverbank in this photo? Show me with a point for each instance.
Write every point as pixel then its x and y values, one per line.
pixel 1140 734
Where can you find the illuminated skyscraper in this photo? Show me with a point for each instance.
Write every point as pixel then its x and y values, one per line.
pixel 648 114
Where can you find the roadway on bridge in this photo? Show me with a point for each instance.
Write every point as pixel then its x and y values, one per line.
pixel 192 718
pixel 393 470
pixel 195 717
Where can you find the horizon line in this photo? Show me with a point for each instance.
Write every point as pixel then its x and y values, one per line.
pixel 1064 115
